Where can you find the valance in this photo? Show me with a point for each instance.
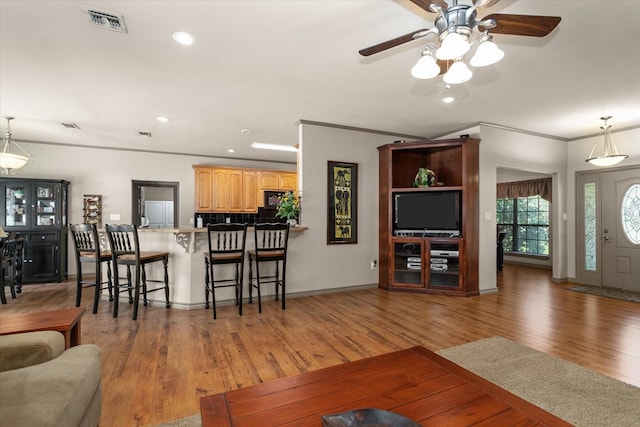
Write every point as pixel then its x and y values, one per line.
pixel 532 187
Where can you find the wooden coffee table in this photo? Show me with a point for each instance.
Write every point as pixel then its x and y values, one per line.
pixel 66 321
pixel 416 383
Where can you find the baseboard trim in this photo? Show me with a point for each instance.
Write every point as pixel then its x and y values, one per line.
pixel 200 305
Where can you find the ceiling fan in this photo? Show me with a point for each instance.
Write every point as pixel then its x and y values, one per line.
pixel 454 26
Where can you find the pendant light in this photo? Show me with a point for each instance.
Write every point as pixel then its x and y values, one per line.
pixel 10 162
pixel 605 154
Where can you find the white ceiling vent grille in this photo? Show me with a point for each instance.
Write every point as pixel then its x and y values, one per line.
pixel 107 21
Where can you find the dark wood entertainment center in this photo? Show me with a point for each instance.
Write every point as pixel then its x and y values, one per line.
pixel 430 262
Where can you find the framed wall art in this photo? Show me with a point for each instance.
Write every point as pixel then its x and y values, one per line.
pixel 342 217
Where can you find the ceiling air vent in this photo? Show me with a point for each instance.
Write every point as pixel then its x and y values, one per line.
pixel 145 133
pixel 105 20
pixel 70 125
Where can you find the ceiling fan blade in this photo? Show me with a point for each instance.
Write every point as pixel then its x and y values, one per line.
pixel 522 25
pixel 426 4
pixel 389 43
pixel 484 3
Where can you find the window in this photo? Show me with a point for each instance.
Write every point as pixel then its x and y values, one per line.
pixel 526 222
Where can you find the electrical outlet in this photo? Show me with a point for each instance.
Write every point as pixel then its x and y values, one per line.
pixel 374 264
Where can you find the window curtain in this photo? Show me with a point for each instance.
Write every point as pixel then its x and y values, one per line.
pixel 533 187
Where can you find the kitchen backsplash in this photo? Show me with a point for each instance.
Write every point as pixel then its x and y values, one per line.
pixel 263 215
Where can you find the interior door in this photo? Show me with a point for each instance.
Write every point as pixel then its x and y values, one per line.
pixel 620 229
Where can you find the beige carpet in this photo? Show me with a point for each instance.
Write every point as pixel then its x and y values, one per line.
pixel 571 392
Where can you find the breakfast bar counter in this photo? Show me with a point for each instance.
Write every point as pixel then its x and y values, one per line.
pixel 186 247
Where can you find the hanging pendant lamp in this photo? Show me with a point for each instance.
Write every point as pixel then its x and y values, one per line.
pixel 606 153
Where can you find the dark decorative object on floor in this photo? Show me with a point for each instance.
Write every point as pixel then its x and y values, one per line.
pixel 608 292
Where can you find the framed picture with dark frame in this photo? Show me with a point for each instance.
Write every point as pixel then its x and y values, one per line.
pixel 342 215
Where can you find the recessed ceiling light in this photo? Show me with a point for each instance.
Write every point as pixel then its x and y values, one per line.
pixel 230 150
pixel 162 119
pixel 184 39
pixel 245 130
pixel 448 99
pixel 273 147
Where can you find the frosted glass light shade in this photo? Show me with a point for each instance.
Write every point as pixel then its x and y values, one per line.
pixel 10 161
pixel 453 46
pixel 487 53
pixel 604 161
pixel 425 68
pixel 458 73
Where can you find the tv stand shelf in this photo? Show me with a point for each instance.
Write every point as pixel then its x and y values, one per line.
pixel 427 262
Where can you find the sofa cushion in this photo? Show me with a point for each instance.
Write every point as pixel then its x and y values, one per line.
pixel 55 393
pixel 30 348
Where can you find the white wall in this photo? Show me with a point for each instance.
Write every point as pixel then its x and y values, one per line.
pixel 627 142
pixel 339 265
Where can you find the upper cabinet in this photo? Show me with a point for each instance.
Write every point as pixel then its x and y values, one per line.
pixel 230 190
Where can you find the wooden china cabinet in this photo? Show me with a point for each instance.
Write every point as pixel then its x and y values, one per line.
pixel 36 210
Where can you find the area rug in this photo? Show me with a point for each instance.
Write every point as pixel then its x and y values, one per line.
pixel 608 292
pixel 569 391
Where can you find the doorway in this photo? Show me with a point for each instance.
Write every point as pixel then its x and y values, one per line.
pixel 608 228
pixel 155 204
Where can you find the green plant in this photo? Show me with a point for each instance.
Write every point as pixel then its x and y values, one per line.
pixel 425 178
pixel 288 206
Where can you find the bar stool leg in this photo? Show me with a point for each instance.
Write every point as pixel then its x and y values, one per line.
pixel 206 282
pixel 165 263
pixel 109 281
pixel 96 294
pixel 258 283
pixel 79 285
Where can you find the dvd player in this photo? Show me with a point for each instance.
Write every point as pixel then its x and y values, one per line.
pixel 426 233
pixel 445 253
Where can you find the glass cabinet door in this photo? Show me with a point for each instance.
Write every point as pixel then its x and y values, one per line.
pixel 45 203
pixel 16 205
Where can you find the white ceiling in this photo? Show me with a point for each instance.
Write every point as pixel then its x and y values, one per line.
pixel 263 65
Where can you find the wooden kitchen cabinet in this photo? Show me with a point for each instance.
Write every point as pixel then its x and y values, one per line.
pixel 225 190
pixel 287 181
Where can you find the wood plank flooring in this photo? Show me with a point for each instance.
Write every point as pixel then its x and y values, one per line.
pixel 155 369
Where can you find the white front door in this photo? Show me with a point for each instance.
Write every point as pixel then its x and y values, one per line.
pixel 620 229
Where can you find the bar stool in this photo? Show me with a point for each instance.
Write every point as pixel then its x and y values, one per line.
pixel 270 246
pixel 226 247
pixel 11 248
pixel 125 250
pixel 87 249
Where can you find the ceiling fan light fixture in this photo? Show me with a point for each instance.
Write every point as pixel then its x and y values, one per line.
pixel 487 53
pixel 10 162
pixel 458 73
pixel 426 67
pixel 454 45
pixel 606 153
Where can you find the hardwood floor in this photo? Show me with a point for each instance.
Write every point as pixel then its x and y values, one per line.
pixel 155 369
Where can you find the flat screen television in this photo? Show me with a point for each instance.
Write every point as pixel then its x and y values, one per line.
pixel 432 211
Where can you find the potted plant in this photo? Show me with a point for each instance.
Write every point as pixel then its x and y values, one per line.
pixel 425 178
pixel 288 207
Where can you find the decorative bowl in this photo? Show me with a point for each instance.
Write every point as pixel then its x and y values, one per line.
pixel 368 417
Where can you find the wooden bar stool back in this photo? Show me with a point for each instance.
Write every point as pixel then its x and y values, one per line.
pixel 11 253
pixel 87 249
pixel 270 241
pixel 125 250
pixel 226 247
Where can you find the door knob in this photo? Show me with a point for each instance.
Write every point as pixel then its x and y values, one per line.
pixel 606 238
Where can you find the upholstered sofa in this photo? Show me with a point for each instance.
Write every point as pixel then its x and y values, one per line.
pixel 42 384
